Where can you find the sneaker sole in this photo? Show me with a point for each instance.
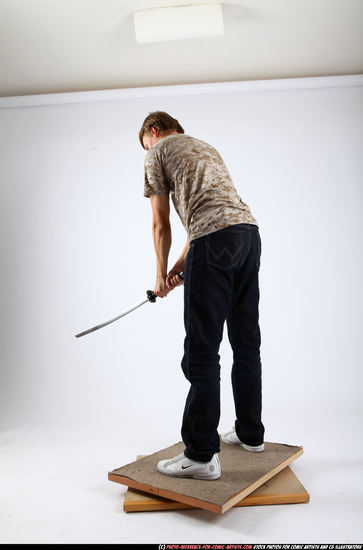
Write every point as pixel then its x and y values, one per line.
pixel 256 449
pixel 203 478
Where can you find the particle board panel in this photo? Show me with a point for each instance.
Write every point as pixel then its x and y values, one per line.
pixel 283 488
pixel 242 473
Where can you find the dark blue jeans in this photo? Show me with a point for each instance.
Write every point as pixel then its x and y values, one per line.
pixel 221 284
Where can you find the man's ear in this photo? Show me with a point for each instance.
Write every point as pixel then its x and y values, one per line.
pixel 154 131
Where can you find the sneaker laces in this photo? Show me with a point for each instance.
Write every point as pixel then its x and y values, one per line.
pixel 231 432
pixel 175 459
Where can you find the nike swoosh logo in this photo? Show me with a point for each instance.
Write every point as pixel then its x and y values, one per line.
pixel 185 467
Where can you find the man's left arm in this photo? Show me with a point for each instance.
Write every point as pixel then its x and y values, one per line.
pixel 161 231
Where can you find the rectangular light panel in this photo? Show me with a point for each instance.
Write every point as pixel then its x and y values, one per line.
pixel 178 23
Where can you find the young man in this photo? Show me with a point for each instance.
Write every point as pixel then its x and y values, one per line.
pixel 221 262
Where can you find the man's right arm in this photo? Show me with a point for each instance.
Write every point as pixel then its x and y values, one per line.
pixel 172 279
pixel 182 260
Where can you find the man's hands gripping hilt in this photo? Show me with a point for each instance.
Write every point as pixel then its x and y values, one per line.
pixel 164 285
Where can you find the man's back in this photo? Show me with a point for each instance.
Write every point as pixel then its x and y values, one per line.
pixel 199 183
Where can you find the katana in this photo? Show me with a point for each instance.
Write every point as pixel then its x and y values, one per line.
pixel 151 297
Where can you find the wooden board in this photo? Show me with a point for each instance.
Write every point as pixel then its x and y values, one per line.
pixel 283 488
pixel 242 473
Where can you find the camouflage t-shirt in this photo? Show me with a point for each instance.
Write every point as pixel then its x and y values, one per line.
pixel 201 188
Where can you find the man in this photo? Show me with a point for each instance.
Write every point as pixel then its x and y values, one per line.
pixel 221 262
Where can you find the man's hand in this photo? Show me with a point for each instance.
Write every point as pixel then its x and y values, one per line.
pixel 161 289
pixel 172 279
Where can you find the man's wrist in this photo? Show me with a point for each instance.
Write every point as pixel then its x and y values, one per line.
pixel 180 266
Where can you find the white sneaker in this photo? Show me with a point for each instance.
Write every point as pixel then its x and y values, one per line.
pixel 232 439
pixel 181 466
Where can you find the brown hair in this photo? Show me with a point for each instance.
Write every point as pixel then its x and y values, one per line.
pixel 164 123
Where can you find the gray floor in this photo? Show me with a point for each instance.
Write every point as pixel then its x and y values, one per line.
pixel 54 489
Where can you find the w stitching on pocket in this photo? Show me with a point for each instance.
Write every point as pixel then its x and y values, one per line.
pixel 214 258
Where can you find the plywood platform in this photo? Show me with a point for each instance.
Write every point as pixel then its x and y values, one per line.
pixel 242 473
pixel 283 488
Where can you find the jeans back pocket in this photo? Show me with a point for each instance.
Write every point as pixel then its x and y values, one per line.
pixel 224 248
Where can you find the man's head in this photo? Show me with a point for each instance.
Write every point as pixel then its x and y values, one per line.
pixel 156 126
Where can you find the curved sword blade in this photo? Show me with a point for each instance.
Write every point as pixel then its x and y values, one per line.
pixel 111 320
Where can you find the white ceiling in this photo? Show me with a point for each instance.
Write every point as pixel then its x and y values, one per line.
pixel 51 46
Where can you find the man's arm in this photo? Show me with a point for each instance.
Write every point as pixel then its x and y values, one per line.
pixel 161 231
pixel 182 260
pixel 173 279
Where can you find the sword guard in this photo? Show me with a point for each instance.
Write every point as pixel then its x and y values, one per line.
pixel 151 296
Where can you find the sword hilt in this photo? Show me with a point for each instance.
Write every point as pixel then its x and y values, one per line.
pixel 150 294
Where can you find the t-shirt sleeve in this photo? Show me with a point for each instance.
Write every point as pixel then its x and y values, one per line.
pixel 155 181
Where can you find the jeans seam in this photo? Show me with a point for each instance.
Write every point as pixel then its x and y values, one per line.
pixel 258 258
pixel 188 298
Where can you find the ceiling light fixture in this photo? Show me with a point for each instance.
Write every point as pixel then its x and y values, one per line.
pixel 178 23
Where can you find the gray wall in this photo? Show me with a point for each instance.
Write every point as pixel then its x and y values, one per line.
pixel 76 249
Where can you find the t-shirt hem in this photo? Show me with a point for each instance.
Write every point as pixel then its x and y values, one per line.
pixel 159 193
pixel 198 235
